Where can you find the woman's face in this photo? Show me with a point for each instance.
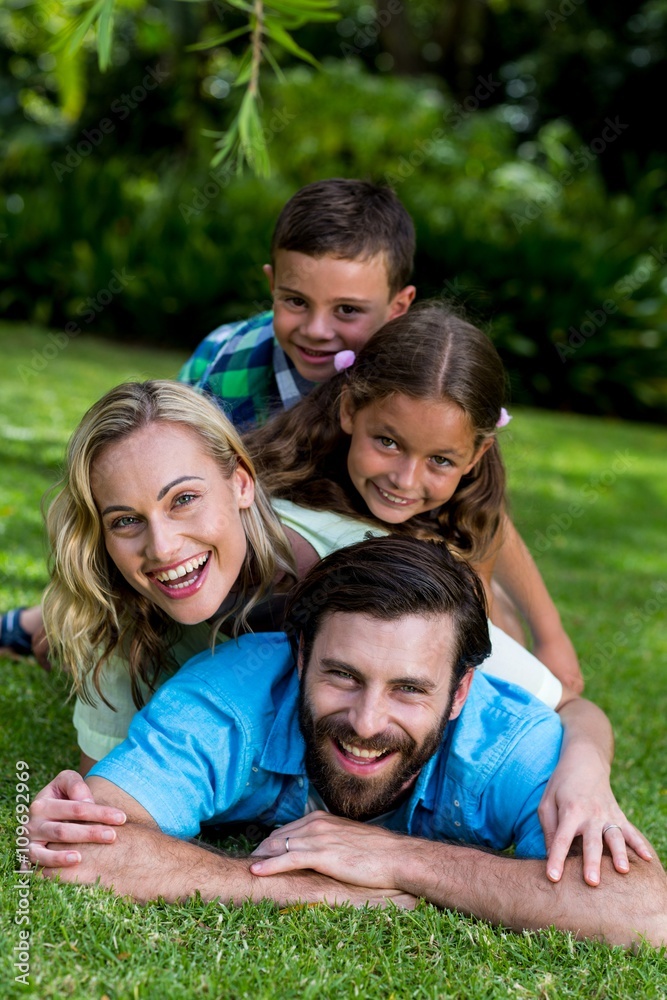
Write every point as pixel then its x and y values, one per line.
pixel 171 520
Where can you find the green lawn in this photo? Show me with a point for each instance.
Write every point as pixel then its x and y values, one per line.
pixel 588 495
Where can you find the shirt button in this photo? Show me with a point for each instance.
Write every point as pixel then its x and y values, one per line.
pixel 255 769
pixel 456 823
pixel 299 782
pixel 456 803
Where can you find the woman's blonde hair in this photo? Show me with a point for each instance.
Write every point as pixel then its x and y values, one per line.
pixel 90 611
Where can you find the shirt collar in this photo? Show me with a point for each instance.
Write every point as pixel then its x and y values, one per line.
pixel 284 752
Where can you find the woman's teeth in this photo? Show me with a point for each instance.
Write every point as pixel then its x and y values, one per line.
pixel 178 571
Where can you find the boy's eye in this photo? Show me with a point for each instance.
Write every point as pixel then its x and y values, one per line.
pixel 295 300
pixel 349 310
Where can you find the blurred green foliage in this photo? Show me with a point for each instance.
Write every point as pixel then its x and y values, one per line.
pixel 519 228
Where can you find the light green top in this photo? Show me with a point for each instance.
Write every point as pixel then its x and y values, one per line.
pixel 100 729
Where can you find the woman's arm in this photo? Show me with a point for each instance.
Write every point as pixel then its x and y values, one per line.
pixel 516 572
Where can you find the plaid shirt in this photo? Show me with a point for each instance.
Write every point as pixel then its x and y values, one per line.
pixel 246 371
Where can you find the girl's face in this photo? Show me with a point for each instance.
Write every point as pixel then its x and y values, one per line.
pixel 171 520
pixel 407 456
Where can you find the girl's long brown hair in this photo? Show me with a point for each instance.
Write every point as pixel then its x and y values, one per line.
pixel 428 354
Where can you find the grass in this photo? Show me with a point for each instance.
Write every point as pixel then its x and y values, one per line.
pixel 603 559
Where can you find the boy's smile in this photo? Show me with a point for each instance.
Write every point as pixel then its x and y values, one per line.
pixel 323 305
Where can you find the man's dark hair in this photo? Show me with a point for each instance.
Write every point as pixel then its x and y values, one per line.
pixel 387 579
pixel 352 220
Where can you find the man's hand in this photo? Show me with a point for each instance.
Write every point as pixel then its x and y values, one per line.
pixel 352 852
pixel 63 815
pixel 144 863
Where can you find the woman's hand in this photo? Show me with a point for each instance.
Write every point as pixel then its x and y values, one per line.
pixel 65 812
pixel 579 802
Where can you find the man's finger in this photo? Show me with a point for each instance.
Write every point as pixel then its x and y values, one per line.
pixel 592 856
pixel 615 841
pixel 70 833
pixel 560 848
pixel 634 839
pixel 290 862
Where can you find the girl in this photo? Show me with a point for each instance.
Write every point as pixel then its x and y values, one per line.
pixel 159 530
pixel 406 439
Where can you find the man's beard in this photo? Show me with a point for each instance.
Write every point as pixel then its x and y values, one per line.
pixel 353 796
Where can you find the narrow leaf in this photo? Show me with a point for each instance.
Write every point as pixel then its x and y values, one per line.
pixel 278 33
pixel 212 42
pixel 104 34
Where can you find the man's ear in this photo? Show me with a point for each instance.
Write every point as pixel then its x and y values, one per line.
pixel 401 302
pixel 346 412
pixel 461 694
pixel 484 447
pixel 268 271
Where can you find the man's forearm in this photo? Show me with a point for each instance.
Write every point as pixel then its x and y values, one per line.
pixel 146 864
pixel 514 892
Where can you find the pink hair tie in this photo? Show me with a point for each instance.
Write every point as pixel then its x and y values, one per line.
pixel 503 419
pixel 343 360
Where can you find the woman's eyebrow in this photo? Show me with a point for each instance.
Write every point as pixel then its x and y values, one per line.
pixel 165 489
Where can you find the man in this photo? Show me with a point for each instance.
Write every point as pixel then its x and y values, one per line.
pixel 388 728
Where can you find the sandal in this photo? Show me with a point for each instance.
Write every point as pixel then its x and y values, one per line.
pixel 13 637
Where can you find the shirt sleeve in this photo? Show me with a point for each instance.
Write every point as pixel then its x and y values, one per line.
pixel 196 368
pixel 186 758
pixel 517 787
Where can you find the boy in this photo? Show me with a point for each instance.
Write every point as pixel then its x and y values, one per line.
pixel 341 259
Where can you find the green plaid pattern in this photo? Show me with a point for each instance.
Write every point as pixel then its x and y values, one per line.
pixel 245 370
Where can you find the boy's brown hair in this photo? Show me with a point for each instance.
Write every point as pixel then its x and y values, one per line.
pixel 351 220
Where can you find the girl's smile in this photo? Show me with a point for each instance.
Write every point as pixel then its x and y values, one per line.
pixel 407 456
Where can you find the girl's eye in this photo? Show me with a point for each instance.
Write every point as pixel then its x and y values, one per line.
pixel 387 442
pixel 294 300
pixel 440 460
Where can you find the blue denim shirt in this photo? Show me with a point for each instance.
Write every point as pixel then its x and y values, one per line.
pixel 220 742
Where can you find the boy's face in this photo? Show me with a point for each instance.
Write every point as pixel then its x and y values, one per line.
pixel 322 305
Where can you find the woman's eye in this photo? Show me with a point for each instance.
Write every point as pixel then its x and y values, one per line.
pixel 124 522
pixel 184 499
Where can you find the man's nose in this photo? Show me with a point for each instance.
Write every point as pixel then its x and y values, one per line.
pixel 369 715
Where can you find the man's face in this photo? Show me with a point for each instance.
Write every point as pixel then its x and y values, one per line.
pixel 374 702
pixel 322 305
